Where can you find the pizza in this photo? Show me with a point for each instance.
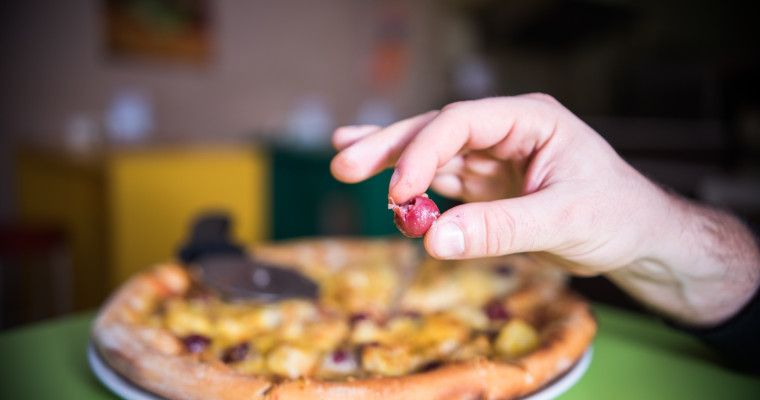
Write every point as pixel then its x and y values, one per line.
pixel 389 323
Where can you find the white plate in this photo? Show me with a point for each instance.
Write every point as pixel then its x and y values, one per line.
pixel 128 390
pixel 566 381
pixel 123 387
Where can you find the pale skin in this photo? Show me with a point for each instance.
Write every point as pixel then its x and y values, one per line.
pixel 535 178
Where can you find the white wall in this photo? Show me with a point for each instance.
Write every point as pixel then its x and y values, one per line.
pixel 267 54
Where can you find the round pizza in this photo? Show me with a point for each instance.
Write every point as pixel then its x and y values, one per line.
pixel 389 322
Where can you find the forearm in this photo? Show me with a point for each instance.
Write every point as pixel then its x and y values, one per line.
pixel 701 268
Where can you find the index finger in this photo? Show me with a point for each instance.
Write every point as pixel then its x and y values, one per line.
pixel 511 127
pixel 372 151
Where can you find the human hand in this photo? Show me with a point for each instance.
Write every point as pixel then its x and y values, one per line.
pixel 534 178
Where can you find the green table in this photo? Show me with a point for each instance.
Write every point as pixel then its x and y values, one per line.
pixel 635 357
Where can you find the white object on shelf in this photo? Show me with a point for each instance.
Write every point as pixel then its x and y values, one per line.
pixel 310 123
pixel 129 117
pixel 81 133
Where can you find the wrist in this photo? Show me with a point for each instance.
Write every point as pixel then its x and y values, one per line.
pixel 697 266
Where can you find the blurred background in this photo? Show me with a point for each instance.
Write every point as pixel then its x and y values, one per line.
pixel 122 120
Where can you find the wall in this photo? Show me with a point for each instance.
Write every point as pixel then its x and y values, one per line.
pixel 626 59
pixel 266 56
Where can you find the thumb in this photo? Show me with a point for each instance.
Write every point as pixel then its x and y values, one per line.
pixel 481 229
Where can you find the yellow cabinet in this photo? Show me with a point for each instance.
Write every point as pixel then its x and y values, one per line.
pixel 127 209
pixel 154 195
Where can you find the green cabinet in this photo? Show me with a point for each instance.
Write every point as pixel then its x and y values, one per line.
pixel 309 201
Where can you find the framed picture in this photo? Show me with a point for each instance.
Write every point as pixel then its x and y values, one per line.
pixel 157 30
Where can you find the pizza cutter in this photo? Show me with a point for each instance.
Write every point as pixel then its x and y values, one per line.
pixel 225 267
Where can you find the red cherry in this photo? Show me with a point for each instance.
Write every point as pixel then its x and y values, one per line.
pixel 196 343
pixel 495 310
pixel 415 217
pixel 235 353
pixel 357 317
pixel 339 356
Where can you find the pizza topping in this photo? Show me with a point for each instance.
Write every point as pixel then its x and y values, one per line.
pixel 339 356
pixel 325 335
pixel 473 317
pixel 516 338
pixel 391 359
pixel 439 334
pixel 431 366
pixel 367 289
pixel 338 363
pixel 186 318
pixel 495 310
pixel 235 353
pixel 479 346
pixel 442 285
pixel 291 361
pixel 504 269
pixel 365 331
pixel 356 318
pixel 196 344
pixel 416 216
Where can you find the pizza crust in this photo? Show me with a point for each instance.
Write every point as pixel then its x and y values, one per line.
pixel 155 359
pixel 152 357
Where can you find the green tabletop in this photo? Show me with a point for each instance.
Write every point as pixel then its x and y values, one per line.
pixel 635 357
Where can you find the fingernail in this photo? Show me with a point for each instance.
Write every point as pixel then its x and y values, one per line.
pixel 394 178
pixel 357 128
pixel 449 240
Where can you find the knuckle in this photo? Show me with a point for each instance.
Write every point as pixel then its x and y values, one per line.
pixel 454 107
pixel 499 230
pixel 431 113
pixel 547 98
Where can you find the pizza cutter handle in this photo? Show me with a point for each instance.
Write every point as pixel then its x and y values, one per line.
pixel 209 236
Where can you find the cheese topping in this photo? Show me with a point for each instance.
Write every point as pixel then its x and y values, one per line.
pixel 370 319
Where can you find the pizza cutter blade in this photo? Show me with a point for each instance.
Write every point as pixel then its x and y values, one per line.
pixel 241 277
pixel 226 268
